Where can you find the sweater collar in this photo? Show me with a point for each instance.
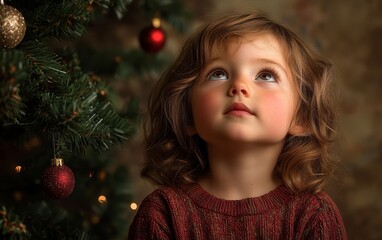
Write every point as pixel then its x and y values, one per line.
pixel 248 206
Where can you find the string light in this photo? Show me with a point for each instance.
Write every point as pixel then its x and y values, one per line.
pixel 18 168
pixel 133 206
pixel 102 199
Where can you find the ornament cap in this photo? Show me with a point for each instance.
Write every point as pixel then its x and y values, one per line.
pixel 58 162
pixel 156 22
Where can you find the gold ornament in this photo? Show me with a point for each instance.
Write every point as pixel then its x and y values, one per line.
pixel 12 26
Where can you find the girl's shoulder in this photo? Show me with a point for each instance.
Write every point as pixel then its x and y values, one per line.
pixel 160 198
pixel 316 209
pixel 165 192
pixel 318 202
pixel 319 215
pixel 153 218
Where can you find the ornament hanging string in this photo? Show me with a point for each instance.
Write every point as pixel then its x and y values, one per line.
pixel 54 147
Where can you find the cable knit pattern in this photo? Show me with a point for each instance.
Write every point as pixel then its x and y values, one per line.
pixel 189 212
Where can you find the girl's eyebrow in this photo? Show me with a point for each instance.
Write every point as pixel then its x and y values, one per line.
pixel 214 61
pixel 270 61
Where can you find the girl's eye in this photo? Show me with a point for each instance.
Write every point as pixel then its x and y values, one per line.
pixel 266 77
pixel 218 75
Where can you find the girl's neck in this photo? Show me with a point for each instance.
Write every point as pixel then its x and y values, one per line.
pixel 241 171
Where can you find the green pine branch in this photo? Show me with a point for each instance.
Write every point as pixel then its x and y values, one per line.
pixel 12 72
pixel 64 101
pixel 11 227
pixel 50 221
pixel 59 19
pixel 67 19
pixel 120 7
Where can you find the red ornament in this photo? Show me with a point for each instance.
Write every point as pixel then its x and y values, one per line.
pixel 152 39
pixel 58 180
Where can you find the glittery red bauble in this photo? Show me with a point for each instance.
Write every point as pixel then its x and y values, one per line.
pixel 152 39
pixel 58 180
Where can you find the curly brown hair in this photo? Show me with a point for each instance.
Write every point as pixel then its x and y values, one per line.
pixel 174 156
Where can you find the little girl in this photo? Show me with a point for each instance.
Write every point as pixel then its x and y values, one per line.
pixel 238 135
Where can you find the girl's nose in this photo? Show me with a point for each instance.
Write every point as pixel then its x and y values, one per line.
pixel 239 87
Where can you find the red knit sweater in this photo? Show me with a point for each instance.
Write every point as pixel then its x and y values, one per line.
pixel 189 212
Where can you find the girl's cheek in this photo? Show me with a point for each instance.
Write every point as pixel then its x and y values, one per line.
pixel 278 107
pixel 205 104
pixel 208 99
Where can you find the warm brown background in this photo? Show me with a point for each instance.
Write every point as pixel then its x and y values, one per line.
pixel 347 31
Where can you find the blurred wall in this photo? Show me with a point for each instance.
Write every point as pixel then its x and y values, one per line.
pixel 350 33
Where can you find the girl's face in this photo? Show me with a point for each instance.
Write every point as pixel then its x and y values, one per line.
pixel 245 94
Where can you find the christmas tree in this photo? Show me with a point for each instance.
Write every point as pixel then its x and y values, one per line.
pixel 62 120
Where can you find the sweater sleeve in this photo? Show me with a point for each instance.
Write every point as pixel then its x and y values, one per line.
pixel 151 221
pixel 327 223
